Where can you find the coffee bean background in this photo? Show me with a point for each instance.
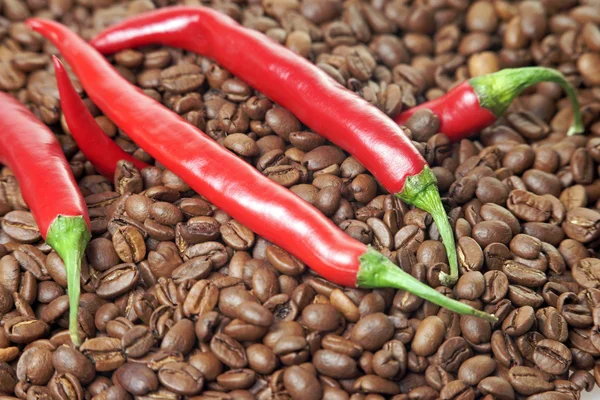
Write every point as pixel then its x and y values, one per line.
pixel 181 301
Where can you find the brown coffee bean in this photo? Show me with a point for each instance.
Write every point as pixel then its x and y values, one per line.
pixel 21 226
pixel 182 78
pixel 136 378
pixel 129 244
pixel 372 331
pixel 180 337
pixel 68 360
pixel 519 321
pixel 228 351
pixel 301 384
pixel 581 224
pixel 335 365
pixel 137 342
pixel 105 353
pixel 488 232
pixel 35 366
pixel 181 378
pixel 321 317
pixel 587 272
pixel 528 381
pixel 552 357
pixel 429 336
pixel 118 280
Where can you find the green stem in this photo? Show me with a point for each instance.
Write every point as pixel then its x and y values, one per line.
pixel 496 91
pixel 68 236
pixel 421 191
pixel 377 271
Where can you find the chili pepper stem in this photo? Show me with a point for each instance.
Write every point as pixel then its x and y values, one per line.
pixel 68 236
pixel 421 191
pixel 496 91
pixel 377 271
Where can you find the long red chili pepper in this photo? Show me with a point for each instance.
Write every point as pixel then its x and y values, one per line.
pixel 477 103
pixel 33 154
pixel 99 149
pixel 268 209
pixel 317 100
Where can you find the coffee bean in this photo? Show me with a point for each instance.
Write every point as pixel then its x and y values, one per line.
pixel 528 206
pixel 528 381
pixel 118 280
pixel 552 357
pixel 429 336
pixel 587 272
pixel 520 274
pixel 68 360
pixel 105 353
pixel 301 384
pixel 335 365
pixel 21 226
pixel 452 353
pixel 180 337
pixel 35 366
pixel 321 317
pixel 136 378
pixel 228 351
pixel 181 378
pixel 137 342
pixel 24 329
pixel 488 232
pixel 129 244
pixel 372 331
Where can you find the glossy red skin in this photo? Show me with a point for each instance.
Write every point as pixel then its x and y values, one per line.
pixel 288 79
pixel 459 113
pixel 98 148
pixel 30 150
pixel 233 185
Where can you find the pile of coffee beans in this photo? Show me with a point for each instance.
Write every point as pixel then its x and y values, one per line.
pixel 180 300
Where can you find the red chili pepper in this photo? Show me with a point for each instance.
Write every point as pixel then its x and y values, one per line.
pixel 30 150
pixel 233 185
pixel 477 103
pixel 99 149
pixel 317 100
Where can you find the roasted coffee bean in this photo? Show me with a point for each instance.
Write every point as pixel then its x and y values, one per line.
pixel 180 337
pixel 582 224
pixel 228 351
pixel 372 331
pixel 35 366
pixel 429 336
pixel 118 280
pixel 519 321
pixel 334 365
pixel 136 378
pixel 137 342
pixel 129 244
pixel 452 353
pixel 68 360
pixel 104 352
pixel 20 226
pixel 181 378
pixel 301 384
pixel 528 381
pixel 552 357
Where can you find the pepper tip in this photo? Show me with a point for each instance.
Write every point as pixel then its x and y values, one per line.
pixel 447 279
pixel 421 191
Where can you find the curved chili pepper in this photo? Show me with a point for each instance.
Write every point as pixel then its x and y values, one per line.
pixel 30 150
pixel 233 185
pixel 99 149
pixel 318 101
pixel 477 103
